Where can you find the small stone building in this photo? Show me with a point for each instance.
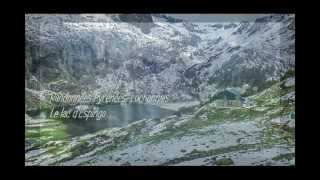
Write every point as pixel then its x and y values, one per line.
pixel 228 98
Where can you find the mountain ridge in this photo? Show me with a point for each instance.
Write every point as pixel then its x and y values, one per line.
pixel 82 49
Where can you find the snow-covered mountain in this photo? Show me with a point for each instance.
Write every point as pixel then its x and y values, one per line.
pixel 155 54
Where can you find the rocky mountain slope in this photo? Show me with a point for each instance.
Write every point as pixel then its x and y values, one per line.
pixel 153 54
pixel 262 134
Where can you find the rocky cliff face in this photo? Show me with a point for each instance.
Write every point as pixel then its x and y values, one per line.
pixel 155 54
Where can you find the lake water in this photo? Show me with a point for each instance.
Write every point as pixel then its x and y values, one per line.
pixel 119 115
